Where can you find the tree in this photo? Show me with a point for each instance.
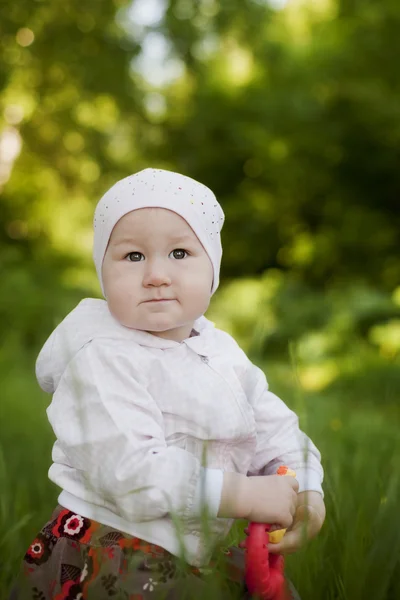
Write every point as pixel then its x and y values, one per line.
pixel 70 108
pixel 299 137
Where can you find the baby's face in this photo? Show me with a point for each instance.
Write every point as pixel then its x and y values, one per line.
pixel 153 253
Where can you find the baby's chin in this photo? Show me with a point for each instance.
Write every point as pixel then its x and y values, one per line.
pixel 165 326
pixel 149 326
pixel 174 331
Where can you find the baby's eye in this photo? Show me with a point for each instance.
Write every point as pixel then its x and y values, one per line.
pixel 134 256
pixel 179 253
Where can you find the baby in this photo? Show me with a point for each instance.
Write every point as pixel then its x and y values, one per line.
pixel 160 418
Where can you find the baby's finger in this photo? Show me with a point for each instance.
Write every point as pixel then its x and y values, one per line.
pixel 290 543
pixel 293 507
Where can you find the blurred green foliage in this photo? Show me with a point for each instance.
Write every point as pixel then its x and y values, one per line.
pixel 292 117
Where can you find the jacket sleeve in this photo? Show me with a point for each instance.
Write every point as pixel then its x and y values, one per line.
pixel 111 430
pixel 279 438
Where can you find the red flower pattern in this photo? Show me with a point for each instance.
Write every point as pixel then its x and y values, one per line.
pixel 39 550
pixel 71 525
pixel 71 590
pixel 75 582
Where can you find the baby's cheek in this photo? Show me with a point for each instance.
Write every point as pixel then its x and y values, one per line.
pixel 120 304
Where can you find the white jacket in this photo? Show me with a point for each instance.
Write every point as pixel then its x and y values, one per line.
pixel 146 427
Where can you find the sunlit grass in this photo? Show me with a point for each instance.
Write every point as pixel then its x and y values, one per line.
pixel 355 557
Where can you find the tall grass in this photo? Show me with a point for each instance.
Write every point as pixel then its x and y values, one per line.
pixel 356 555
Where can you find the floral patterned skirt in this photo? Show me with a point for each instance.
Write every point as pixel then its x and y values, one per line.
pixel 74 558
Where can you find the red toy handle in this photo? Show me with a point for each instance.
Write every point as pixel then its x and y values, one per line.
pixel 265 572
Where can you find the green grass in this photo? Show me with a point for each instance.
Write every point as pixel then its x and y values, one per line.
pixel 356 555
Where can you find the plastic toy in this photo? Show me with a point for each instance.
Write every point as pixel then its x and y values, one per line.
pixel 265 572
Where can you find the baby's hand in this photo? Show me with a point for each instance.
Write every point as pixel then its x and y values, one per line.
pixel 308 520
pixel 272 499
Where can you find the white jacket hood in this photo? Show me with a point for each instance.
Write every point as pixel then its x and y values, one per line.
pixel 90 320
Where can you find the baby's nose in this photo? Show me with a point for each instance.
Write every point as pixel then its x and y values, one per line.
pixel 156 274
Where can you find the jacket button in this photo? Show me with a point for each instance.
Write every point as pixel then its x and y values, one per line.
pixel 204 359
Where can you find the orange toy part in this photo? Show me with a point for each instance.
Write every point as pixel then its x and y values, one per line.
pixel 284 470
pixel 276 536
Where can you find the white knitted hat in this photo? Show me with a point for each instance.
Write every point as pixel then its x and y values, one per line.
pixel 161 189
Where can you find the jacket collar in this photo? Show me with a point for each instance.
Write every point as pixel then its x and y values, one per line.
pixel 202 343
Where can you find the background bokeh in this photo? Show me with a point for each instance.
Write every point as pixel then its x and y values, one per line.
pixel 290 112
